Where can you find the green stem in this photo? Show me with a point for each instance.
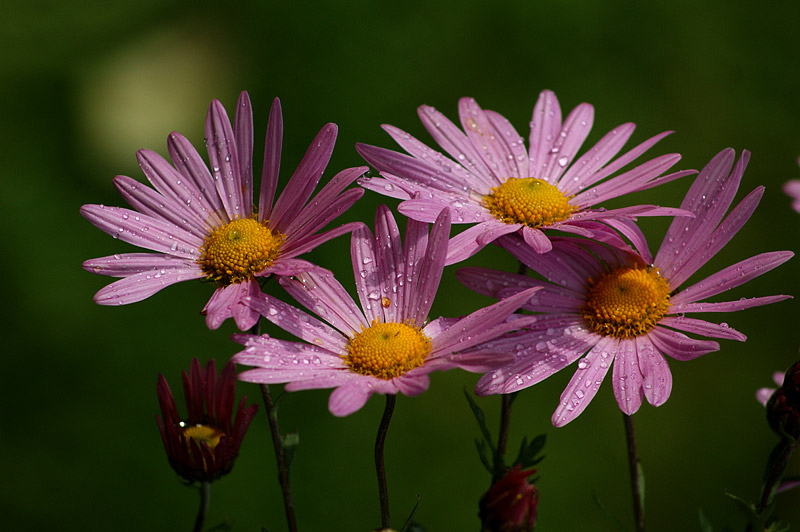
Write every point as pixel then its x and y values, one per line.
pixel 635 469
pixel 205 495
pixel 383 428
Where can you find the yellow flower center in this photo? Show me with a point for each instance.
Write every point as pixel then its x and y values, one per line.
pixel 237 250
pixel 387 350
pixel 203 433
pixel 626 302
pixel 529 201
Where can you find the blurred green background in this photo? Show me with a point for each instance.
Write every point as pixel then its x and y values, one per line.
pixel 88 83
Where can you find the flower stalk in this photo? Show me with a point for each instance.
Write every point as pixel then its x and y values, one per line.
pixel 636 472
pixel 383 428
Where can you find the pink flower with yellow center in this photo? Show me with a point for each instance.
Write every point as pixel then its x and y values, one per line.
pixel 386 346
pixel 606 308
pixel 491 179
pixel 204 225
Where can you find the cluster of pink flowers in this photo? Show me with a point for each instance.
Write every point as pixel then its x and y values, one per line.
pixel 600 301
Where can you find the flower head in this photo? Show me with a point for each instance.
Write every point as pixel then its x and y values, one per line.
pixel 387 346
pixel 494 182
pixel 510 504
pixel 202 446
pixel 204 225
pixel 603 307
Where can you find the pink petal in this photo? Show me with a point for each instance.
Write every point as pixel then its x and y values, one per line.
pixel 465 244
pixel 585 382
pixel 127 264
pixel 243 133
pixel 537 240
pixel 678 345
pixel 365 270
pixel 142 285
pixel 272 161
pixel 390 262
pixel 349 398
pixel 545 126
pixel 430 270
pixel 484 138
pixel 224 160
pixel 627 378
pixel 702 327
pixel 657 382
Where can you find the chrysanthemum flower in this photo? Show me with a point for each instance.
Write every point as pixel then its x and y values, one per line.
pixel 386 346
pixel 203 446
pixel 494 182
pixel 603 307
pixel 204 225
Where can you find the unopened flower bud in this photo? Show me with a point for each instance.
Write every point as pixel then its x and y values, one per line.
pixel 510 504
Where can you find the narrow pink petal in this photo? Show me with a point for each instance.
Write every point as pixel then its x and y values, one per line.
pixel 494 229
pixel 414 248
pixel 537 240
pixel 301 237
pixel 272 161
pixel 540 354
pixel 581 174
pixel 485 138
pixel 574 131
pixel 365 271
pixel 127 264
pixel 455 142
pixel 391 265
pixel 545 126
pixel 728 306
pixel 708 198
pixel 585 382
pixel 391 186
pixel 287 267
pixel 189 163
pixel 731 277
pixel 243 133
pixel 244 315
pixel 143 231
pixel 274 354
pixel 349 398
pixel 148 201
pixel 304 245
pixel 482 325
pixel 298 323
pixel 430 270
pixel 324 198
pixel 631 231
pixel 702 327
pixel 514 145
pixel 410 385
pixel 315 380
pixel 630 181
pixel 426 210
pixel 142 285
pixel 763 395
pixel 305 178
pixel 627 378
pixel 567 267
pixel 657 382
pixel 491 282
pixel 476 361
pixel 696 255
pixel 223 157
pixel 220 307
pixel 418 171
pixel 465 244
pixel 321 293
pixel 173 185
pixel 418 150
pixel 679 346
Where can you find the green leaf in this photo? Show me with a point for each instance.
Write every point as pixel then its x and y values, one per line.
pixel 705 524
pixel 481 418
pixel 409 525
pixel 483 453
pixel 528 451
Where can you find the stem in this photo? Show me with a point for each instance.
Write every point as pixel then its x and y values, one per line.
pixel 502 437
pixel 383 428
pixel 277 445
pixel 773 476
pixel 283 471
pixel 205 495
pixel 635 468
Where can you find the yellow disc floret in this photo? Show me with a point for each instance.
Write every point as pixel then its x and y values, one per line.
pixel 203 433
pixel 529 201
pixel 236 251
pixel 387 350
pixel 626 302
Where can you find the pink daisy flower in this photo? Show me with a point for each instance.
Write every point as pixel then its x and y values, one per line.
pixel 603 307
pixel 494 182
pixel 386 346
pixel 204 225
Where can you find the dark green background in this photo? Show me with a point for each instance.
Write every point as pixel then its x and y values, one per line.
pixel 88 83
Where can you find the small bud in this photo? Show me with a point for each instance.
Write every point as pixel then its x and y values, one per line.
pixel 510 504
pixel 202 446
pixel 783 414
